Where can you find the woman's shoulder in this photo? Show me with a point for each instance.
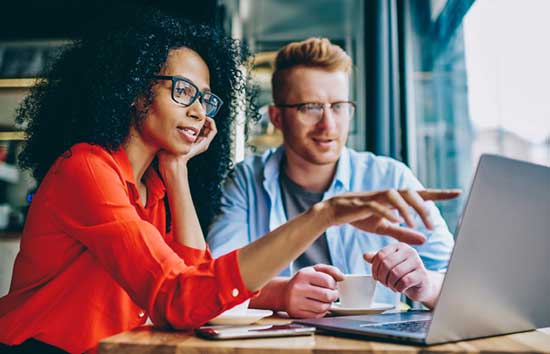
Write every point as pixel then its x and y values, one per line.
pixel 83 153
pixel 83 150
pixel 84 157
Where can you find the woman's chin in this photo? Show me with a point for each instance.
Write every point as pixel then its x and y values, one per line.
pixel 179 149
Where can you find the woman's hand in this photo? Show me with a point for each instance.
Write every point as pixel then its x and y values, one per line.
pixel 374 212
pixel 173 170
pixel 207 133
pixel 172 166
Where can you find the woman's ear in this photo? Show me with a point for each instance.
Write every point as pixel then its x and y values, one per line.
pixel 139 106
pixel 139 103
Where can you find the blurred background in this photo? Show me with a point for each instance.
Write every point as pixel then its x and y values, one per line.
pixel 437 82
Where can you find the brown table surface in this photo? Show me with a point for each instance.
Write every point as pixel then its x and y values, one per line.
pixel 149 340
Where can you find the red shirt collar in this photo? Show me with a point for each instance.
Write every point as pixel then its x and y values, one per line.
pixel 155 186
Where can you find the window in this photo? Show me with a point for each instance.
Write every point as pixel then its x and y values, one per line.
pixel 476 77
pixel 267 25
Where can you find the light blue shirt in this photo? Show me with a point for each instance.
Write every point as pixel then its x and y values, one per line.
pixel 252 205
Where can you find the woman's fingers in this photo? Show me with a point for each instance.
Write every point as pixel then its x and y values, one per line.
pixel 372 211
pixel 439 194
pixel 212 130
pixel 402 200
pixel 382 211
pixel 399 203
pixel 377 222
pixel 205 137
pixel 208 131
pixel 414 200
pixel 402 234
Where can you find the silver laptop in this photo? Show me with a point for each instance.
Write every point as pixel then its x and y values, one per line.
pixel 498 280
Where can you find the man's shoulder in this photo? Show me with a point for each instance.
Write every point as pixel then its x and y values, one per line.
pixel 253 160
pixel 256 164
pixel 366 160
pixel 365 170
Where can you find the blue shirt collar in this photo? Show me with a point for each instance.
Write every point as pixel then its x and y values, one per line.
pixel 342 179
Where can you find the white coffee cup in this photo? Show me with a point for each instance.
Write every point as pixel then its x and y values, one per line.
pixel 238 310
pixel 356 290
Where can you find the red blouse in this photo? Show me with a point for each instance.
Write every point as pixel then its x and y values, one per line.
pixel 95 262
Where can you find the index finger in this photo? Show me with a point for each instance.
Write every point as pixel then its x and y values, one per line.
pixel 403 234
pixel 439 194
pixel 210 124
pixel 418 205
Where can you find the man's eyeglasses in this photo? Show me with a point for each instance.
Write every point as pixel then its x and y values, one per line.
pixel 312 112
pixel 185 92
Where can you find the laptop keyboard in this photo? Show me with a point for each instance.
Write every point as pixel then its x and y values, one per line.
pixel 408 326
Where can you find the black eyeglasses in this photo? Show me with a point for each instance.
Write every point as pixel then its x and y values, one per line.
pixel 185 93
pixel 312 112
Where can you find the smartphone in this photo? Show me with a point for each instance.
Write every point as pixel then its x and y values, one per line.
pixel 254 331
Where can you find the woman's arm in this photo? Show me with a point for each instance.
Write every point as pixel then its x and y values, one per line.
pixel 263 259
pixel 173 169
pixel 185 223
pixel 96 210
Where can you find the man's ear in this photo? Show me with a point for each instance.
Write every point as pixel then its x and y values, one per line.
pixel 275 116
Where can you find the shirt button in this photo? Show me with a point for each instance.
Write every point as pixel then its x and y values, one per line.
pixel 235 292
pixel 141 314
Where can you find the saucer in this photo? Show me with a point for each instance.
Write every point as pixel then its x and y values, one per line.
pixel 373 309
pixel 251 316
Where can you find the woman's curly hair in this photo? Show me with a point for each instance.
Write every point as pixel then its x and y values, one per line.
pixel 87 96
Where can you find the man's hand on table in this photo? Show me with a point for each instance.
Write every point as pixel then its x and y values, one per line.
pixel 399 267
pixel 311 291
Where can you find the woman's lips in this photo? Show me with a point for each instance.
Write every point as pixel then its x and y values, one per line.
pixel 189 133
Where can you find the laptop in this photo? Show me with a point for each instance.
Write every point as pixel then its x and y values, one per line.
pixel 498 279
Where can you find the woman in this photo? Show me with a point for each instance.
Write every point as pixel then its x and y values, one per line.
pixel 110 133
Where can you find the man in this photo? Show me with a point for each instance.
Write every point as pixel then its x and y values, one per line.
pixel 313 111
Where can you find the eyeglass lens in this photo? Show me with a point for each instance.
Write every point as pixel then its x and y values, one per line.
pixel 314 111
pixel 186 93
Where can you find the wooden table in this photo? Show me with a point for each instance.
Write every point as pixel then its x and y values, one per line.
pixel 148 340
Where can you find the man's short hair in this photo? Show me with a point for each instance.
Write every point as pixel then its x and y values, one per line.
pixel 312 52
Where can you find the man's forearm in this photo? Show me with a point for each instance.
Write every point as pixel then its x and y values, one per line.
pixel 272 295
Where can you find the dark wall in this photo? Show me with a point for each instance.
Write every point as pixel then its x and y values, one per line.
pixel 40 19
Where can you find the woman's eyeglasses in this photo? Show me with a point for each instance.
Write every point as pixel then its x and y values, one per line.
pixel 312 112
pixel 185 93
